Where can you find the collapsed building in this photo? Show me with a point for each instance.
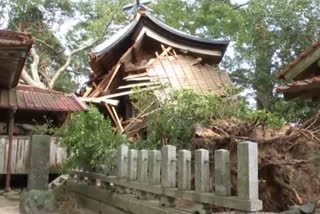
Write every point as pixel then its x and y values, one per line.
pixel 151 55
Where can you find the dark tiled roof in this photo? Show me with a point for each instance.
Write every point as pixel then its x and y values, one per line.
pixel 32 98
pixel 301 85
pixel 14 48
pixel 304 54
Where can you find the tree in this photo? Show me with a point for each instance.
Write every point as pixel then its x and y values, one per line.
pixel 55 61
pixel 267 35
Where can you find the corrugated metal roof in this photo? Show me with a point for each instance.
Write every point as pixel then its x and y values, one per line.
pixel 32 98
pixel 14 47
pixel 303 55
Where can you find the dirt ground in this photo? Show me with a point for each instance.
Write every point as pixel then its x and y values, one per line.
pixel 289 162
pixel 9 206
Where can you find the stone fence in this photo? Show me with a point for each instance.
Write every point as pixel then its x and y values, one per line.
pixel 168 176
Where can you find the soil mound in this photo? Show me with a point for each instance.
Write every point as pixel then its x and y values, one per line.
pixel 289 159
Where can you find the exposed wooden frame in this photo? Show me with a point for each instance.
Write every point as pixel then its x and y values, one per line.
pixel 91 100
pixel 117 118
pixel 112 115
pixel 302 65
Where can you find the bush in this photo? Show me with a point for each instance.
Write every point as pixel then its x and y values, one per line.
pixel 174 120
pixel 89 139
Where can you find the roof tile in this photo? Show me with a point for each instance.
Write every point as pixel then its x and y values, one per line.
pixel 32 98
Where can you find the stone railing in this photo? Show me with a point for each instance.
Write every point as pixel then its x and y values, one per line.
pixel 169 176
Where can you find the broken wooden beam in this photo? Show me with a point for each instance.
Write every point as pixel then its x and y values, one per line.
pixel 97 100
pixel 143 84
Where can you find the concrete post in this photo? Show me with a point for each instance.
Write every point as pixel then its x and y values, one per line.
pixel 222 172
pixel 132 165
pixel 184 170
pixel 248 171
pixel 122 161
pixel 202 170
pixel 154 167
pixel 38 177
pixel 143 166
pixel 168 166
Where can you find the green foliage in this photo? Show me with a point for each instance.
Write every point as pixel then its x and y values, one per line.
pixel 46 128
pixel 263 116
pixel 266 34
pixel 296 111
pixel 46 20
pixel 89 138
pixel 174 120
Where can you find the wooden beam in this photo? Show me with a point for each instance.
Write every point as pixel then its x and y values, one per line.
pixel 101 99
pixel 302 65
pixel 117 118
pixel 111 114
pixel 10 133
pixel 136 75
pixel 139 79
pixel 97 100
pixel 138 85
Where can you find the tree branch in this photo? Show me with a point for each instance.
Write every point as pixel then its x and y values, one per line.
pixel 69 59
pixel 34 65
pixel 240 5
pixel 68 62
pixel 27 79
pixel 45 44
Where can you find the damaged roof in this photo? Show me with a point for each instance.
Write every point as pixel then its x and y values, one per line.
pixel 297 68
pixel 14 48
pixel 308 88
pixel 32 98
pixel 146 25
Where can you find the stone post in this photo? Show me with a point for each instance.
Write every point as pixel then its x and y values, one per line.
pixel 184 170
pixel 154 167
pixel 222 172
pixel 248 171
pixel 143 166
pixel 168 166
pixel 122 161
pixel 202 170
pixel 132 165
pixel 38 177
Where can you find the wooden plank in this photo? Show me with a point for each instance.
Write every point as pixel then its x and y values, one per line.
pixel 117 118
pixel 136 75
pixel 138 85
pixel 111 114
pixel 2 155
pixel 124 93
pixel 90 100
pixel 139 79
pixel 113 76
pixel 88 91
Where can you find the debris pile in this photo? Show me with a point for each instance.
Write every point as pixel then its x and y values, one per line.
pixel 289 160
pixel 160 73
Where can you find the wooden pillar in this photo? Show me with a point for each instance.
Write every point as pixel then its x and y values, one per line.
pixel 10 133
